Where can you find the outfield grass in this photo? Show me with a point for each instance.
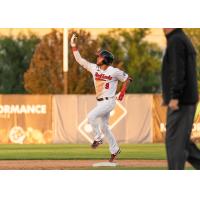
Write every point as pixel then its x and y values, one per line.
pixel 79 152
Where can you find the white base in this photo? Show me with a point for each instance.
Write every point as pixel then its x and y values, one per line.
pixel 105 164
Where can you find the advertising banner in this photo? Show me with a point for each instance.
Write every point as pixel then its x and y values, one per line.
pixel 130 121
pixel 43 119
pixel 25 119
pixel 159 121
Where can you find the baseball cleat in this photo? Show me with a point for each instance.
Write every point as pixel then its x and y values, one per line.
pixel 96 143
pixel 113 156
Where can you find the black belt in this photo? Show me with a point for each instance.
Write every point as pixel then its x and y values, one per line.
pixel 102 99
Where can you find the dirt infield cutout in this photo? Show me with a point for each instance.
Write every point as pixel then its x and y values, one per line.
pixel 75 164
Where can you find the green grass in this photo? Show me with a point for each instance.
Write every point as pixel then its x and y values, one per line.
pixel 79 152
pixel 84 152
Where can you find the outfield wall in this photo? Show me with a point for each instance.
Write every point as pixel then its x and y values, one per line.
pixel 42 119
pixel 130 121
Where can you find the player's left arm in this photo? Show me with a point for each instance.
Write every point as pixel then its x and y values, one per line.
pixel 126 79
pixel 124 88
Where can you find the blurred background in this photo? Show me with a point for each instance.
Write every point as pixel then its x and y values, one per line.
pixel 31 60
pixel 37 66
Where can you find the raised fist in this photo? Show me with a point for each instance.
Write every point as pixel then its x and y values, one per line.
pixel 73 40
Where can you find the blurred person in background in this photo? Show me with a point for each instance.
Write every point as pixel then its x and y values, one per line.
pixel 180 95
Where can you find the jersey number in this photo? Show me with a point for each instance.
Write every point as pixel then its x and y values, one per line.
pixel 107 86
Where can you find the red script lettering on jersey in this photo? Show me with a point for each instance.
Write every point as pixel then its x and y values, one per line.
pixel 102 77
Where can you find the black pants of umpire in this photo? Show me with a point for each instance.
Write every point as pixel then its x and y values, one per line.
pixel 178 145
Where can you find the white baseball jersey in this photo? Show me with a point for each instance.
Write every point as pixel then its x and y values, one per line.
pixel 105 81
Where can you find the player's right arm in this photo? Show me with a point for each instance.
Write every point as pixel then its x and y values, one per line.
pixel 84 63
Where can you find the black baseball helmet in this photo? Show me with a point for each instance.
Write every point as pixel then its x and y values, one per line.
pixel 108 56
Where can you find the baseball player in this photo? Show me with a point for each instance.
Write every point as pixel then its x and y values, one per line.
pixel 105 78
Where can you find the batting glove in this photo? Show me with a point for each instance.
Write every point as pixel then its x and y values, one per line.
pixel 120 96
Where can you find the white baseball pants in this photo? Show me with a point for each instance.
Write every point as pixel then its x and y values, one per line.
pixel 98 119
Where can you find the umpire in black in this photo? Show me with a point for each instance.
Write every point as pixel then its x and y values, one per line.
pixel 180 94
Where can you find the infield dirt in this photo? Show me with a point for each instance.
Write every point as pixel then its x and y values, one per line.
pixel 75 164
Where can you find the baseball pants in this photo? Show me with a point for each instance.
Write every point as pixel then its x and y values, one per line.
pixel 98 119
pixel 179 148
